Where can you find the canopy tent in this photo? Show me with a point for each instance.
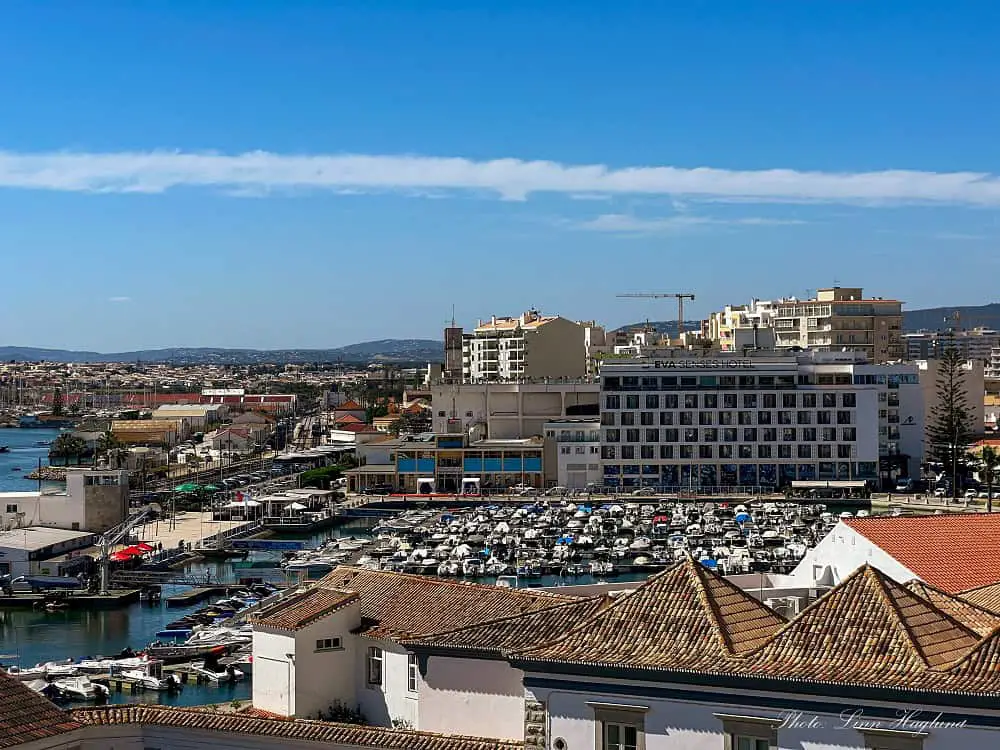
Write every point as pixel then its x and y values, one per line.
pixel 120 556
pixel 187 487
pixel 145 547
pixel 242 504
pixel 211 488
pixel 294 506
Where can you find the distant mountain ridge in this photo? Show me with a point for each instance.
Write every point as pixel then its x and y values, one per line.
pixel 397 351
pixel 940 318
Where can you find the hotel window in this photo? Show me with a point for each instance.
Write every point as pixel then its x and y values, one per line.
pixel 564 450
pixel 705 418
pixel 824 451
pixel 746 451
pixel 749 732
pixel 374 665
pixel 647 452
pixel 632 401
pixel 808 434
pixel 687 417
pixel 612 436
pixel 784 417
pixel 843 451
pixel 652 436
pixel 769 435
pixel 619 727
pixel 711 400
pixel 632 435
pixel 691 435
pixel 804 417
pixel 808 400
pixel 769 401
pixel 725 451
pixel 690 400
pixel 788 434
pixel 745 417
pixel 788 400
pixel 710 435
pixel 829 434
pixel 805 451
pixel 829 400
pixel 849 400
pixel 843 417
pixel 704 451
pixel 750 434
pixel 670 401
pixel 729 435
pixel 612 402
pixel 850 434
pixel 729 401
pixel 727 381
pixel 670 436
pixel 608 419
pixel 327 644
pixel 747 381
pixel 784 451
pixel 628 418
pixel 687 451
pixel 628 453
pixel 666 418
pixel 824 417
pixel 763 451
pixel 647 418
pixel 725 417
pixel 411 672
pixel 763 417
pixel 749 400
pixel 608 452
pixel 652 401
pixel 666 452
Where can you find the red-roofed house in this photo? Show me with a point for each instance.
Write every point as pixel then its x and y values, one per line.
pixel 349 409
pixel 954 552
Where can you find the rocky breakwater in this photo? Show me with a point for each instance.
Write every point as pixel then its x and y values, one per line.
pixel 48 474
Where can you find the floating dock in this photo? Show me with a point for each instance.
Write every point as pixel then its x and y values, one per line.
pixel 115 598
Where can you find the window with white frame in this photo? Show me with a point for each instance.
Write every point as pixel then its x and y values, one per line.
pixel 412 675
pixel 890 739
pixel 374 666
pixel 327 644
pixel 619 727
pixel 749 732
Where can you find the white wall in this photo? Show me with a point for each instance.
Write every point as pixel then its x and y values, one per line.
pixel 478 697
pixel 844 550
pixel 324 677
pixel 390 701
pixel 274 671
pixel 691 724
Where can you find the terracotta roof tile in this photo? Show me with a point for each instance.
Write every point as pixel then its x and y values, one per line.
pixel 28 716
pixel 519 631
pixel 348 405
pixel 974 616
pixel 987 597
pixel 404 606
pixel 348 419
pixel 290 729
pixel 685 618
pixel 299 610
pixel 953 551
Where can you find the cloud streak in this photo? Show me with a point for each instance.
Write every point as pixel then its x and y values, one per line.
pixel 119 300
pixel 513 179
pixel 628 224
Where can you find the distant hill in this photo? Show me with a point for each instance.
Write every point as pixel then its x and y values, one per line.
pixel 400 351
pixel 939 318
pixel 662 326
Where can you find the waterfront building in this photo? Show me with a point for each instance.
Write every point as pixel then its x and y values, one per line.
pixel 573 446
pixel 164 432
pixel 36 550
pixel 531 345
pixel 837 318
pixel 452 464
pixel 510 411
pixel 195 417
pixel 238 400
pixel 762 421
pixel 93 500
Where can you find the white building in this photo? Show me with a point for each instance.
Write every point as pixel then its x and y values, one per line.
pixel 573 448
pixel 94 500
pixel 531 345
pixel 975 343
pixel 39 551
pixel 972 381
pixel 761 421
pixel 510 411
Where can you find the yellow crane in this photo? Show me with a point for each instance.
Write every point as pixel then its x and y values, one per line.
pixel 679 296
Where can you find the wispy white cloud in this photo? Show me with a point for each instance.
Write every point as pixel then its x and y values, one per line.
pixel 119 300
pixel 629 224
pixel 514 179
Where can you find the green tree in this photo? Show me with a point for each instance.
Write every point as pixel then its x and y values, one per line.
pixel 112 449
pixel 67 446
pixel 987 463
pixel 949 429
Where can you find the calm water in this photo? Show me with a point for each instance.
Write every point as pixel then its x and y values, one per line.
pixel 23 457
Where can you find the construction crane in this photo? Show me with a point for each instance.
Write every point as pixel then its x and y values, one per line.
pixel 679 296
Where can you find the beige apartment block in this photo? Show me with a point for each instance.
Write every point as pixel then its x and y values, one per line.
pixel 530 346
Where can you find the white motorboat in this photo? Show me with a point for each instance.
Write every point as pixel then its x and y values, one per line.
pixel 226 675
pixel 27 674
pixel 58 669
pixel 244 664
pixel 146 680
pixel 81 688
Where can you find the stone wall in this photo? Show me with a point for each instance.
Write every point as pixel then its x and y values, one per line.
pixel 534 723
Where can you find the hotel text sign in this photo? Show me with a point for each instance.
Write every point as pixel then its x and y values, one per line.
pixel 704 364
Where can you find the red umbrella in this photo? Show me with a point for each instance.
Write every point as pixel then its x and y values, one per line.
pixel 120 556
pixel 132 551
pixel 143 547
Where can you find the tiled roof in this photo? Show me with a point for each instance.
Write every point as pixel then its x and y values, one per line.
pixel 297 730
pixel 684 618
pixel 25 715
pixel 952 551
pixel 348 419
pixel 404 606
pixel 974 616
pixel 299 610
pixel 519 631
pixel 348 405
pixel 987 597
pixel 867 629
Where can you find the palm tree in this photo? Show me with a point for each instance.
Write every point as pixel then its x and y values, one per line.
pixel 67 446
pixel 112 448
pixel 988 461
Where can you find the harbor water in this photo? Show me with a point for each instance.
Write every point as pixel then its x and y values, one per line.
pixel 23 456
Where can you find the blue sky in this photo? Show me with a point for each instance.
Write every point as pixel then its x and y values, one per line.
pixel 288 174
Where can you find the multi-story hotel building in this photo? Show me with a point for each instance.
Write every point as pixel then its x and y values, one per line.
pixel 977 343
pixel 761 421
pixel 838 318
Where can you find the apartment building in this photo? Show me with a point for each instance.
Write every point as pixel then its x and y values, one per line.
pixel 531 345
pixel 972 381
pixel 977 343
pixel 993 364
pixel 573 452
pixel 761 421
pixel 838 318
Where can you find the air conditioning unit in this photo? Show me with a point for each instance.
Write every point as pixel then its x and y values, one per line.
pixel 786 606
